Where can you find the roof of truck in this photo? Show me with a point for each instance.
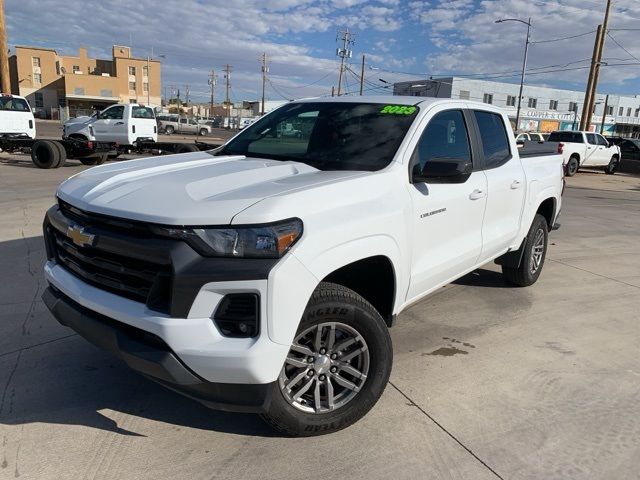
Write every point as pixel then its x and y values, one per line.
pixel 397 100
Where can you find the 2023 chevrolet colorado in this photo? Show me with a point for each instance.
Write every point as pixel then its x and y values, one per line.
pixel 263 276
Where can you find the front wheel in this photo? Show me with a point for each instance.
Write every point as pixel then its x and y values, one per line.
pixel 203 132
pixel 338 366
pixel 535 252
pixel 612 167
pixel 169 130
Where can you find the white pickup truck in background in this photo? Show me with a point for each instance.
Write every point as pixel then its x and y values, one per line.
pixel 123 124
pixel 263 276
pixel 16 117
pixel 586 149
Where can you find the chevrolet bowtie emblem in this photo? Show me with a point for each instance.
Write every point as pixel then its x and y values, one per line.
pixel 80 237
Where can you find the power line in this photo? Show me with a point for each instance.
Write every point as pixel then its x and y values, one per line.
pixel 618 44
pixel 565 38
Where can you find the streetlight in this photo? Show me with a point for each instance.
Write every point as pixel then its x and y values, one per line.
pixel 524 61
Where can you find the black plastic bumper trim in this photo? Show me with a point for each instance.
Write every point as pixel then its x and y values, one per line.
pixel 151 356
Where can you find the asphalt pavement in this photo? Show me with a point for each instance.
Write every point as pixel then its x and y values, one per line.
pixel 488 381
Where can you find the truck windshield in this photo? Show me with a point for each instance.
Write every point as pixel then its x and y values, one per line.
pixel 14 104
pixel 327 135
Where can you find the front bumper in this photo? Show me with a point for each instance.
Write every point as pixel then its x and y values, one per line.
pixel 149 355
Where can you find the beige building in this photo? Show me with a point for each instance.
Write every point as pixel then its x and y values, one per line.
pixel 80 83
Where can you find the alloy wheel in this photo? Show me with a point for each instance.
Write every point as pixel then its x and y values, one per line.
pixel 325 369
pixel 537 251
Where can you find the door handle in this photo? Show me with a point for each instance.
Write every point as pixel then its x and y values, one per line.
pixel 119 123
pixel 588 148
pixel 516 184
pixel 477 194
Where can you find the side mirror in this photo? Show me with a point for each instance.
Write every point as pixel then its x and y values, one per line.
pixel 443 170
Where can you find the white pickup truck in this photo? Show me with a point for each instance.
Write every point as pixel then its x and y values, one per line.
pixel 263 276
pixel 586 149
pixel 123 123
pixel 16 117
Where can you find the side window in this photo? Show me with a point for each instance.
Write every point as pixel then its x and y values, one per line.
pixel 495 143
pixel 576 137
pixel 602 141
pixel 446 136
pixel 591 139
pixel 113 113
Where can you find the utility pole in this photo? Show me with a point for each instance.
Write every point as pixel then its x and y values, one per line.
pixel 347 39
pixel 604 115
pixel 227 76
pixel 213 79
pixel 333 91
pixel 598 63
pixel 4 53
pixel 362 76
pixel 586 108
pixel 265 70
pixel 186 95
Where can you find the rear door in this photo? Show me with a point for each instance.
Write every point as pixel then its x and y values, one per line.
pixel 506 184
pixel 143 122
pixel 594 151
pixel 447 217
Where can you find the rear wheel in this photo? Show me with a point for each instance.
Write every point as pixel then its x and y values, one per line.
pixel 62 154
pixel 338 366
pixel 45 154
pixel 572 166
pixel 535 251
pixel 203 132
pixel 169 130
pixel 613 166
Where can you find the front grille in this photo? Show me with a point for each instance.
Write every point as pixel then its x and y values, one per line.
pixel 117 272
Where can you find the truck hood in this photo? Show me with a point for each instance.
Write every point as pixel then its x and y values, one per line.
pixel 188 189
pixel 79 120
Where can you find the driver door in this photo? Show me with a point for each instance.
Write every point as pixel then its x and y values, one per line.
pixel 111 127
pixel 447 216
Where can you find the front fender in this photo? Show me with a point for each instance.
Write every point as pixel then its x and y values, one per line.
pixel 292 281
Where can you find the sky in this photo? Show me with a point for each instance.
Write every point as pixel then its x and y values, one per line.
pixel 401 40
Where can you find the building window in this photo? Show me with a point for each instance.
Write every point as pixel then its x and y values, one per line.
pixel 465 94
pixel 533 102
pixel 629 112
pixel 76 68
pixel 57 68
pixel 39 100
pixel 511 101
pixel 553 105
pixel 145 86
pixel 621 111
pixel 132 86
pixel 37 78
pixel 36 61
pixel 573 107
pixel 487 98
pixel 637 112
pixel 106 93
pixel 132 100
pixel 145 71
pixel 132 71
pixel 78 91
pixel 609 110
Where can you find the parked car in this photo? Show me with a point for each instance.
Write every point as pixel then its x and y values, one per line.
pixel 264 276
pixel 288 130
pixel 530 137
pixel 586 149
pixel 630 149
pixel 16 117
pixel 123 123
pixel 176 124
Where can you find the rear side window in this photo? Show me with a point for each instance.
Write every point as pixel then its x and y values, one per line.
pixel 568 137
pixel 142 112
pixel 14 104
pixel 445 137
pixel 495 143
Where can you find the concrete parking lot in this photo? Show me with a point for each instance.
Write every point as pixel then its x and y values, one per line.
pixel 488 381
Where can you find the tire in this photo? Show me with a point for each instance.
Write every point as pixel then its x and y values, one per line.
pixel 45 154
pixel 62 154
pixel 354 320
pixel 535 252
pixel 186 148
pixel 572 167
pixel 203 132
pixel 169 130
pixel 613 166
pixel 97 160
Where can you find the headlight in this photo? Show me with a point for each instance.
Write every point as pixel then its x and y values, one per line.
pixel 271 240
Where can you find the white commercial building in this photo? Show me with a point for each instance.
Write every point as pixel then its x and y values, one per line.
pixel 542 109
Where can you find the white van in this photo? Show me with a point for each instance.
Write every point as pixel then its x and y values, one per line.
pixel 123 123
pixel 16 117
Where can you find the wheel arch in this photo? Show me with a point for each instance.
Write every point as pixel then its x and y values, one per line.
pixel 547 208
